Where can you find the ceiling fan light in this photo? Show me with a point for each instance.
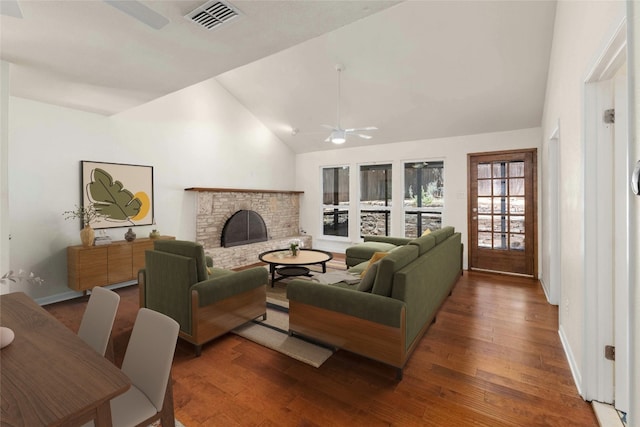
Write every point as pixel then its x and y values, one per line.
pixel 338 137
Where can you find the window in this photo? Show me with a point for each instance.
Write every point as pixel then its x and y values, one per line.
pixel 375 200
pixel 335 201
pixel 423 197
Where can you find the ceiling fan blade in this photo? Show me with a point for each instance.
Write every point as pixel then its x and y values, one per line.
pixel 361 129
pixel 363 136
pixel 140 12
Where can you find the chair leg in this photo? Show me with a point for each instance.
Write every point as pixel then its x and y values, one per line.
pixel 167 416
pixel 198 349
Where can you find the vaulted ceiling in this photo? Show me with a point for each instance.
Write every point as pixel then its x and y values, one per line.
pixel 414 69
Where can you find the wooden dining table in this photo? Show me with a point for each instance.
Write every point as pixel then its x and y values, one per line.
pixel 48 375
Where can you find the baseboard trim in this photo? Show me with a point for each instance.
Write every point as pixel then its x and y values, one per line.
pixel 573 366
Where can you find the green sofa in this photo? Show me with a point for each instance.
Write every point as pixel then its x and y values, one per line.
pixel 386 323
pixel 179 281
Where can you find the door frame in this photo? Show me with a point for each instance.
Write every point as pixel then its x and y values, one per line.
pixel 601 173
pixel 535 253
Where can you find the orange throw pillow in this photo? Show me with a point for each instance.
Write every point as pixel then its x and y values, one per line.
pixel 375 257
pixel 426 232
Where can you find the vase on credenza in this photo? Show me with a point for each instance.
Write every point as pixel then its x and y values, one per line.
pixel 130 236
pixel 6 336
pixel 155 234
pixel 87 235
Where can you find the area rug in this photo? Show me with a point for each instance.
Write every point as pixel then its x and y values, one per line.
pixel 273 333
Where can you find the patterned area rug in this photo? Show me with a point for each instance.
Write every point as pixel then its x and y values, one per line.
pixel 273 333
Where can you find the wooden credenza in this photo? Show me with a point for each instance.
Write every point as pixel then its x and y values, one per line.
pixel 89 266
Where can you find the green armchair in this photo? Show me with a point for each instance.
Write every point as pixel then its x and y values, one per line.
pixel 179 281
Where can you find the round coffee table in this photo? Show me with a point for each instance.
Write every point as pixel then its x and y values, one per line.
pixel 286 265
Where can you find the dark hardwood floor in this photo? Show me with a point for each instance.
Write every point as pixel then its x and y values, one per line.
pixel 492 358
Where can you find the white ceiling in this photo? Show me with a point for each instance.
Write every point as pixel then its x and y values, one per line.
pixel 415 69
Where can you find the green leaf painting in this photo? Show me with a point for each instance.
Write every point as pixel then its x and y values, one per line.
pixel 111 199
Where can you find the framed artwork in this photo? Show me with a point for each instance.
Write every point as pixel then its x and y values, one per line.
pixel 121 194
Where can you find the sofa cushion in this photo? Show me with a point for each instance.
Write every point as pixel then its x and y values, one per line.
pixel 366 284
pixel 391 263
pixel 187 249
pixel 366 249
pixel 424 243
pixel 375 257
pixel 442 234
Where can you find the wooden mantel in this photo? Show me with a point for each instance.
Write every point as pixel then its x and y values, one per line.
pixel 239 190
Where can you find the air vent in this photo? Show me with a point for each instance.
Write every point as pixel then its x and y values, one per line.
pixel 213 14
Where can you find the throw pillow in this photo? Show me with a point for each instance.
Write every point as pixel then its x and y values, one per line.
pixel 366 284
pixel 426 232
pixel 375 257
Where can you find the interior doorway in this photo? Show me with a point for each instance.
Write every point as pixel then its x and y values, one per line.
pixel 607 244
pixel 503 212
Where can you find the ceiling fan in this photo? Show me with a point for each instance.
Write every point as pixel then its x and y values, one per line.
pixel 339 135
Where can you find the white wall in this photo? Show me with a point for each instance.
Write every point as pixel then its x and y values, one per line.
pixel 452 150
pixel 197 137
pixel 581 32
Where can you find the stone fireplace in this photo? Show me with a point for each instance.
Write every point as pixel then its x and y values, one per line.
pixel 279 210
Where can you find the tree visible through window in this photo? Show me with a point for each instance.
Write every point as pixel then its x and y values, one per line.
pixel 375 200
pixel 335 201
pixel 423 197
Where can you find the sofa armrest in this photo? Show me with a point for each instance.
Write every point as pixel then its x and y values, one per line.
pixel 220 288
pixel 398 241
pixel 375 308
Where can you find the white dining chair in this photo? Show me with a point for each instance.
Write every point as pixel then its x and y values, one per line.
pixel 147 362
pixel 97 320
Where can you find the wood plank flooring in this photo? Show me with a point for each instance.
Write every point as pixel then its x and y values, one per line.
pixel 492 358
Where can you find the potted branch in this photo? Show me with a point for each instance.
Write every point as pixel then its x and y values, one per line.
pixel 87 215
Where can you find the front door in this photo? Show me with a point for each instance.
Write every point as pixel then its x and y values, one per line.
pixel 502 212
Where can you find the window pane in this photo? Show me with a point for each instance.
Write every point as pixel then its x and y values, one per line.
pixel 499 187
pixel 335 185
pixel 484 240
pixel 516 169
pixel 417 223
pixel 516 205
pixel 335 198
pixel 499 223
pixel 424 184
pixel 484 170
pixel 336 222
pixel 484 187
pixel 499 241
pixel 517 242
pixel 423 196
pixel 484 204
pixel 499 170
pixel 516 187
pixel 499 205
pixel 484 223
pixel 516 224
pixel 375 185
pixel 374 223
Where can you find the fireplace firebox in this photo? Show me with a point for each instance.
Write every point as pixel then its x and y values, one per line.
pixel 242 228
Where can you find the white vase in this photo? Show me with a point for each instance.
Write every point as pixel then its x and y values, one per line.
pixel 6 336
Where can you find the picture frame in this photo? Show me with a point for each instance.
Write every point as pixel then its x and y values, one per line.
pixel 122 194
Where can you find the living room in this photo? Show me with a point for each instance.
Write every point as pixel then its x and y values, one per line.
pixel 203 136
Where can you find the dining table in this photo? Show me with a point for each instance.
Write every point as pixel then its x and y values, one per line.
pixel 48 375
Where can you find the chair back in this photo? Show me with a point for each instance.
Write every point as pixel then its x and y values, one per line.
pixel 147 361
pixel 187 249
pixel 97 320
